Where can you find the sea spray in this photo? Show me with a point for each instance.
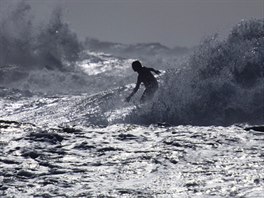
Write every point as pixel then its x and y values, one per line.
pixel 222 82
pixel 26 49
pixel 26 45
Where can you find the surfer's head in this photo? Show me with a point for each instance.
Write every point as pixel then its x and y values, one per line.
pixel 136 65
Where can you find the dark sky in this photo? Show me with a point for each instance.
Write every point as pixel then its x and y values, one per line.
pixel 170 22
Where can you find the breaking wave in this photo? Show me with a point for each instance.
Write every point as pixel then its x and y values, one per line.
pixel 222 83
pixel 28 46
pixel 29 52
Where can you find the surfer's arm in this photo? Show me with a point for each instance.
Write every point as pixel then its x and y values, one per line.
pixel 134 90
pixel 154 70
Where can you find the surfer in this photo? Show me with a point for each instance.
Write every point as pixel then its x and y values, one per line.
pixel 149 81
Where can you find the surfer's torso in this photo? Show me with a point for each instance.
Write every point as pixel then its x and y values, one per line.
pixel 147 78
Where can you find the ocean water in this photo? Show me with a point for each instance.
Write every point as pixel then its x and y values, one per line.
pixel 65 130
pixel 123 160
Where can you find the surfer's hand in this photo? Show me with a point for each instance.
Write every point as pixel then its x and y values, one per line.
pixel 128 99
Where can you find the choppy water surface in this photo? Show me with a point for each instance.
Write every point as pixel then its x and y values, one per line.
pixel 124 160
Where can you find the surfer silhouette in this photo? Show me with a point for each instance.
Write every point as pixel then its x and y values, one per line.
pixel 149 81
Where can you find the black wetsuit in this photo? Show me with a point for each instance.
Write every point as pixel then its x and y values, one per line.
pixel 149 81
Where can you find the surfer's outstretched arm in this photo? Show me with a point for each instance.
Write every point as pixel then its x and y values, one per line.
pixel 154 70
pixel 134 90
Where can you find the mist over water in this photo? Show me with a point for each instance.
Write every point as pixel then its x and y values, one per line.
pixel 34 46
pixel 36 56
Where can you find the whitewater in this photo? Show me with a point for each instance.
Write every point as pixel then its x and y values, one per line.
pixel 66 131
pixel 123 160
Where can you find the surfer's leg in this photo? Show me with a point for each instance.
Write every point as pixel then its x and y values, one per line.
pixel 144 96
pixel 149 92
pixel 147 95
